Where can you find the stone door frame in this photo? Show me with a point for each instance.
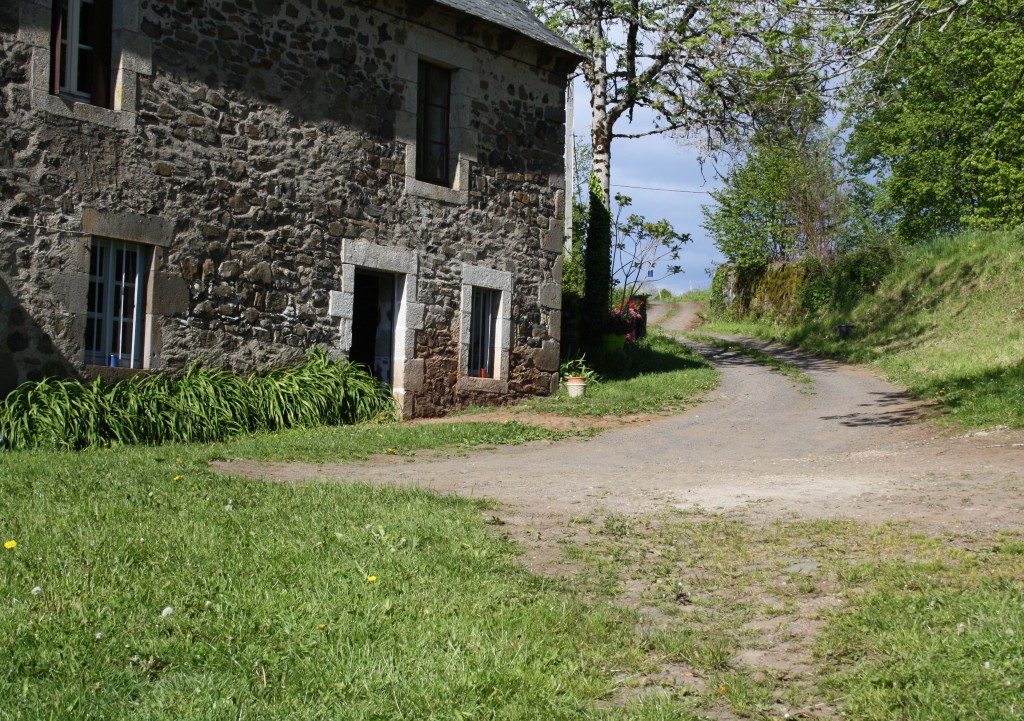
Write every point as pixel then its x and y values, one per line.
pixel 407 370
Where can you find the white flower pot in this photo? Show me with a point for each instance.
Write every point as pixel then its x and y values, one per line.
pixel 576 386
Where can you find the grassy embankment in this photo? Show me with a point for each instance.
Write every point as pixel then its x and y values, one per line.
pixel 947 323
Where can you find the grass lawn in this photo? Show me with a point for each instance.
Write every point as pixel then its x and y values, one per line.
pixel 139 584
pixel 144 586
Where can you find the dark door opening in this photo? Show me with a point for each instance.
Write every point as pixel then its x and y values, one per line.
pixel 375 303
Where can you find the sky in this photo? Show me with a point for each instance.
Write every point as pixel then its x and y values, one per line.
pixel 659 161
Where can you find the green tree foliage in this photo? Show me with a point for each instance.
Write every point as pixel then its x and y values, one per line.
pixel 783 201
pixel 940 121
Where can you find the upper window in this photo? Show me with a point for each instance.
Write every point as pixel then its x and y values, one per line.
pixel 433 147
pixel 116 318
pixel 483 332
pixel 81 51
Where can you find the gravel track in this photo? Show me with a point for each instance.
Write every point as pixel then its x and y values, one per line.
pixel 851 447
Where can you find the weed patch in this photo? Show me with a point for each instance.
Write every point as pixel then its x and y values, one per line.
pixel 811 618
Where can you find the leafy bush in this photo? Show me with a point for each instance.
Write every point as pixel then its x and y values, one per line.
pixel 203 405
pixel 840 285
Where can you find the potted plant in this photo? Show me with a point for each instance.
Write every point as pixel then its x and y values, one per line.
pixel 619 327
pixel 575 374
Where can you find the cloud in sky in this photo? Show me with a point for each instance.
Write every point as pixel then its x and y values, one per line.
pixel 659 161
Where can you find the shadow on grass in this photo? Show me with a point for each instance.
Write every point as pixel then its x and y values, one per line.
pixel 655 354
pixel 981 398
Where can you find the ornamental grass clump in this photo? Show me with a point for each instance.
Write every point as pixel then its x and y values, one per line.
pixel 202 406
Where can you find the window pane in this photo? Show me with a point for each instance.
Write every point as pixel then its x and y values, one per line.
pixel 130 259
pixel 92 340
pixel 95 260
pixel 63 69
pixel 126 339
pixel 432 134
pixel 437 86
pixel 128 306
pixel 434 162
pixel 116 314
pixel 94 290
pixel 85 58
pixel 483 324
pixel 436 128
pixel 86 23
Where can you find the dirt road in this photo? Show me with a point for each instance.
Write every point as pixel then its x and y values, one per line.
pixel 853 447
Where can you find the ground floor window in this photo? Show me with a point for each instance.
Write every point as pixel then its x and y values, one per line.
pixel 116 315
pixel 483 332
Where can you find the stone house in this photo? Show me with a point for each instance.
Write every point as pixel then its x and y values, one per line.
pixel 240 180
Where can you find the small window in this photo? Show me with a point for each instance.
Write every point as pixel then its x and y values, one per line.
pixel 116 314
pixel 81 49
pixel 483 332
pixel 432 124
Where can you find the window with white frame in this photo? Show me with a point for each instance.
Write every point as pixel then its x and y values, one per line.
pixel 116 315
pixel 483 332
pixel 485 329
pixel 81 50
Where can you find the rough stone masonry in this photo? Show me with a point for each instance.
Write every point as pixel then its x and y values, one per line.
pixel 263 152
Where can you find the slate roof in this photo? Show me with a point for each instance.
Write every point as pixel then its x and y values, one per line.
pixel 514 15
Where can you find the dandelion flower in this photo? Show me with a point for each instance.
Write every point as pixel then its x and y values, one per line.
pixel 10 544
pixel 177 478
pixel 371 579
pixel 392 450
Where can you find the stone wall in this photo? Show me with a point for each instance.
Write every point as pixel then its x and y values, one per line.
pixel 261 137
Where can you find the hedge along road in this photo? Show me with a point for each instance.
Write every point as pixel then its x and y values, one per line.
pixel 854 447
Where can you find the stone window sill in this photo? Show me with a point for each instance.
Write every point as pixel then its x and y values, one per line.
pixel 77 110
pixel 483 385
pixel 431 191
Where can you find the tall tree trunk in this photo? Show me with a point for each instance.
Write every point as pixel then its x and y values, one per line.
pixel 600 132
pixel 598 259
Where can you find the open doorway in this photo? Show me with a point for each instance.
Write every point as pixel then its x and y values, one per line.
pixel 374 308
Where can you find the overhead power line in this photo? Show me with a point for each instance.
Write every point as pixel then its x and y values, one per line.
pixel 664 189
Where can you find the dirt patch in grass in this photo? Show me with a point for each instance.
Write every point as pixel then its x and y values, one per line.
pixel 551 421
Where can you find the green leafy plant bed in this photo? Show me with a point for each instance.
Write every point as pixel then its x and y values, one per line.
pixel 203 405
